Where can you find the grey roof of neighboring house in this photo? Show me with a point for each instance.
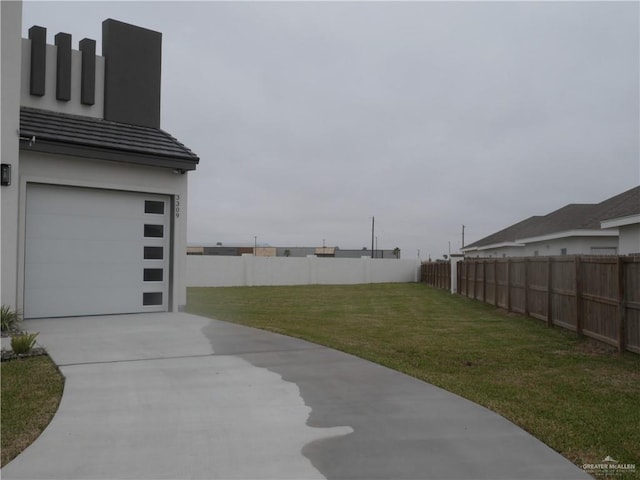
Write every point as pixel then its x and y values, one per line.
pixel 623 205
pixel 571 217
pixel 63 133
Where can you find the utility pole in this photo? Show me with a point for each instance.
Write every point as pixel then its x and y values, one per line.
pixel 373 223
pixel 462 236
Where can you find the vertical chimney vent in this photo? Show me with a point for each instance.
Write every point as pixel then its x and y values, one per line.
pixel 63 67
pixel 38 37
pixel 88 71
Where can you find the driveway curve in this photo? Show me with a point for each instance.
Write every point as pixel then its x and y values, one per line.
pixel 177 396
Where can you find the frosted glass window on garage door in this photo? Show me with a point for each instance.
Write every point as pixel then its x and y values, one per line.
pixel 155 263
pixel 86 251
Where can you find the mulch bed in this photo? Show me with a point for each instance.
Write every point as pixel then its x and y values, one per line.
pixel 6 355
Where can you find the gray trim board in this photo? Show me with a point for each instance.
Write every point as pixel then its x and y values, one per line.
pixel 63 67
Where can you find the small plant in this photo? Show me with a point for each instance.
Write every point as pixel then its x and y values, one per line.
pixel 23 343
pixel 9 319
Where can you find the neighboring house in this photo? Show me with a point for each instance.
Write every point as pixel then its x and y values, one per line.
pixel 625 217
pixel 94 192
pixel 586 229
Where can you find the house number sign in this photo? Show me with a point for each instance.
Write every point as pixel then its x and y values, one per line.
pixel 177 207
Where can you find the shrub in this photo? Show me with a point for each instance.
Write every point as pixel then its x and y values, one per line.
pixel 23 343
pixel 9 319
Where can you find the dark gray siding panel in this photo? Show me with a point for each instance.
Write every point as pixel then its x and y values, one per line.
pixel 63 67
pixel 133 58
pixel 38 37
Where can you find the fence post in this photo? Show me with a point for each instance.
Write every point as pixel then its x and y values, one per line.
pixel 508 284
pixel 526 287
pixel 484 281
pixel 622 327
pixel 475 273
pixel 312 272
pixel 578 273
pixel 495 282
pixel 453 265
pixel 549 293
pixel 467 269
pixel 248 272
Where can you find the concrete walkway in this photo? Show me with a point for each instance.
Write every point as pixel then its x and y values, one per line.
pixel 176 396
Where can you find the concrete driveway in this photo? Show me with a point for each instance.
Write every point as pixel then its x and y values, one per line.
pixel 176 396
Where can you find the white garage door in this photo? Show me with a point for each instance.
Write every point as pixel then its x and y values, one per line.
pixel 95 252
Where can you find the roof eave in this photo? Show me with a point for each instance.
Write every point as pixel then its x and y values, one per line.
pixel 569 233
pixel 621 221
pixel 493 246
pixel 113 155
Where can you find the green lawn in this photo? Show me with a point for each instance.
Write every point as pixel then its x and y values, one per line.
pixel 31 392
pixel 578 397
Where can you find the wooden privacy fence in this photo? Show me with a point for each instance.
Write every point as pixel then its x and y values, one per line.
pixel 594 296
pixel 436 274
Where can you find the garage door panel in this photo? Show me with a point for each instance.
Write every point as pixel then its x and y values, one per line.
pixel 57 250
pixel 67 227
pixel 104 203
pixel 103 275
pixel 91 301
pixel 85 252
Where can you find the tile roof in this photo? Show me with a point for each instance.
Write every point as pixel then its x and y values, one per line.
pixel 118 140
pixel 570 217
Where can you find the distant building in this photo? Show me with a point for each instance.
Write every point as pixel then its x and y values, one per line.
pixel 610 227
pixel 295 252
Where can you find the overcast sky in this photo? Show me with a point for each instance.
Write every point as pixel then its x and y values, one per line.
pixel 310 118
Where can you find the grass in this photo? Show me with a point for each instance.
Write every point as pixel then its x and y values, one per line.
pixel 31 392
pixel 580 398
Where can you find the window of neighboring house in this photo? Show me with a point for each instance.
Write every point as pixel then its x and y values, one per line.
pixel 563 251
pixel 536 253
pixel 604 251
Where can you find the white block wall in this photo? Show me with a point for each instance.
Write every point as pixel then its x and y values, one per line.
pixel 223 271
